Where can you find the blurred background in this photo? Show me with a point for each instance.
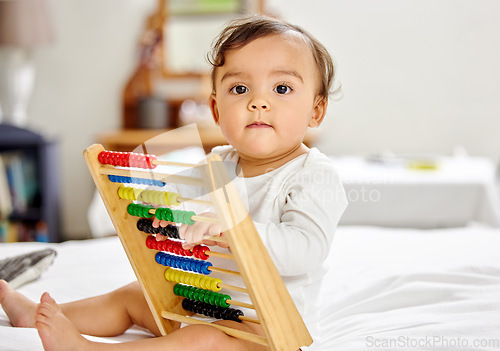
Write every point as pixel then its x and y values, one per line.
pixel 418 77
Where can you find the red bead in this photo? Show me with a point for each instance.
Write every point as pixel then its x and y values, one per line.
pixel 195 251
pixel 100 157
pixel 162 245
pixel 188 252
pixel 113 158
pixel 177 248
pixel 149 161
pixel 202 252
pixel 121 160
pixel 169 245
pixel 150 242
pixel 131 160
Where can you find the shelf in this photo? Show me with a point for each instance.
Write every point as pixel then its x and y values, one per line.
pixel 30 184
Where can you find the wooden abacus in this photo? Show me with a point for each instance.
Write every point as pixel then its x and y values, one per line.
pixel 282 324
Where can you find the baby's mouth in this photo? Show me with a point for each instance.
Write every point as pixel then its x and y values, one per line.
pixel 259 125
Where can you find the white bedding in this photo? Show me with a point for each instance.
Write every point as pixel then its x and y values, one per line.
pixel 387 289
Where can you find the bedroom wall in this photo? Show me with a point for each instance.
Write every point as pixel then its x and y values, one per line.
pixel 418 77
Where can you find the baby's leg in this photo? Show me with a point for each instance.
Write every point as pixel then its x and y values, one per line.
pixel 105 315
pixel 112 313
pixel 58 333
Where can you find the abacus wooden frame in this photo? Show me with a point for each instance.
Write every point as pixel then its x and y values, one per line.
pixel 282 324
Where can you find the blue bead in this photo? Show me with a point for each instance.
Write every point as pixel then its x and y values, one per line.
pixel 158 257
pixel 205 266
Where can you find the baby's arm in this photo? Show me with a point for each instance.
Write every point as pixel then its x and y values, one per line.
pixel 301 241
pixel 306 226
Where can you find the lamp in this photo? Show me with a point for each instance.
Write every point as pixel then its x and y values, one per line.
pixel 24 25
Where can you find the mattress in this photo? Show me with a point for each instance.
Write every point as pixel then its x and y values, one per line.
pixel 386 289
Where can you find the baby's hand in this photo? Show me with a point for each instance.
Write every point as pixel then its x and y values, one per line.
pixel 161 223
pixel 198 232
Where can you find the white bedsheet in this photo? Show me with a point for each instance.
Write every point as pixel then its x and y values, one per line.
pixel 388 289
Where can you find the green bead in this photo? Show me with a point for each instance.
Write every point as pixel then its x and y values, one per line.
pixel 187 217
pixel 224 299
pixel 212 299
pixel 177 289
pixel 168 215
pixel 130 210
pixel 145 211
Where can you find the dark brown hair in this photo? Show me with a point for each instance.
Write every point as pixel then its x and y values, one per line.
pixel 240 32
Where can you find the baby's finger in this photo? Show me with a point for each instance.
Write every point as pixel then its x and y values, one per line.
pixel 182 231
pixel 156 222
pixel 160 237
pixel 193 234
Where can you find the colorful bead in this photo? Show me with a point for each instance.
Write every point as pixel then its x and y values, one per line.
pixel 200 281
pixel 210 297
pixel 184 263
pixel 139 210
pixel 199 251
pixel 212 311
pixel 146 226
pixel 172 198
pixel 128 180
pixel 127 159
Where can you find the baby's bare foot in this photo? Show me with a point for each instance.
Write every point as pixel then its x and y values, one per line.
pixel 56 331
pixel 20 310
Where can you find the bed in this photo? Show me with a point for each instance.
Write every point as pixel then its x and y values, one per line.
pixel 386 289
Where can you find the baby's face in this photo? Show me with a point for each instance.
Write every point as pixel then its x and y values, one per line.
pixel 266 95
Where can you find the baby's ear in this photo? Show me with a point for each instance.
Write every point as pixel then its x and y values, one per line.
pixel 213 107
pixel 319 111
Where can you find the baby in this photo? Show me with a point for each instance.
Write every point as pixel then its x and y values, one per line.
pixel 271 82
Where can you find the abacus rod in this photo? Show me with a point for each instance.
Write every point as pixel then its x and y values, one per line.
pixel 248 319
pixel 239 303
pixel 229 331
pixel 219 254
pixel 110 170
pixel 203 202
pixel 232 287
pixel 222 270
pixel 171 163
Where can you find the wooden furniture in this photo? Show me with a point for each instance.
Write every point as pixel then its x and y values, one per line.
pixel 156 78
pixel 277 314
pixel 33 179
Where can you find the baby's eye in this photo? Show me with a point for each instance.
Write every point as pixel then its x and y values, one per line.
pixel 282 89
pixel 239 89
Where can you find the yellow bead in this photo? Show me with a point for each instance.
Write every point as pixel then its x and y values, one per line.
pixel 159 199
pixel 167 274
pixel 191 280
pixel 130 194
pixel 120 192
pixel 137 192
pixel 173 199
pixel 144 197
pixel 215 284
pixel 179 277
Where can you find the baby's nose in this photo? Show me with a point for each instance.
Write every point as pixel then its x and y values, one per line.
pixel 259 105
pixel 264 107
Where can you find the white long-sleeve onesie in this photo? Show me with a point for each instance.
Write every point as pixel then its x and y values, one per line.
pixel 295 209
